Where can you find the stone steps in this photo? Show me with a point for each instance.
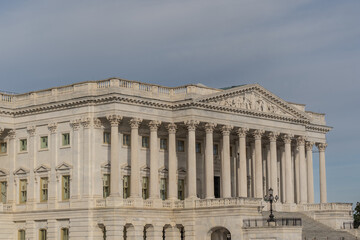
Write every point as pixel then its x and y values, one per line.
pixel 314 230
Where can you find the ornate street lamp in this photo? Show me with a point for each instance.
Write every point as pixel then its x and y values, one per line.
pixel 270 198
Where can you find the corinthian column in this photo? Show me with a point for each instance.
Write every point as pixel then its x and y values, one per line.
pixel 242 179
pixel 53 148
pixel 322 170
pixel 225 163
pixel 258 164
pixel 154 159
pixel 273 162
pixel 114 155
pixel 172 162
pixel 135 174
pixel 302 175
pixel 191 158
pixel 310 172
pixel 209 160
pixel 289 182
pixel 12 155
pixel 32 163
pixel 75 187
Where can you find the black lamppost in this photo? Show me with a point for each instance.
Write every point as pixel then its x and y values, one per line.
pixel 270 198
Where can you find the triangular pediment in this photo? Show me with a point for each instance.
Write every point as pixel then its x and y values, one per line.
pixel 3 172
pixel 42 168
pixel 21 171
pixel 163 170
pixel 106 165
pixel 252 99
pixel 63 167
pixel 145 169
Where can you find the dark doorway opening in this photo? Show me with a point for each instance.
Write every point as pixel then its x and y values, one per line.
pixel 217 186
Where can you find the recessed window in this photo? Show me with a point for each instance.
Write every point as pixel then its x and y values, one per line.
pixel 44 189
pixel 107 138
pixel 198 147
pixel 23 145
pixel 180 146
pixel 145 188
pixel 3 147
pixel 126 140
pixel 65 139
pixel 231 151
pixel 66 187
pixel 163 143
pixel 42 234
pixel 216 149
pixel 126 187
pixel 64 234
pixel 145 142
pixel 181 190
pixel 106 185
pixel 21 234
pixel 163 188
pixel 44 142
pixel 3 191
pixel 23 191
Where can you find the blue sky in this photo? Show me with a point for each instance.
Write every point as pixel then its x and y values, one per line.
pixel 303 51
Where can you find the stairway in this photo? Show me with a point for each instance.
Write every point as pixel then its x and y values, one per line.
pixel 314 230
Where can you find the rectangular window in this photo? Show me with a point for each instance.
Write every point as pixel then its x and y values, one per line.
pixel 65 187
pixel 126 140
pixel 181 189
pixel 3 190
pixel 145 188
pixel 3 147
pixel 216 149
pixel 126 187
pixel 163 143
pixel 180 146
pixel 23 145
pixel 64 234
pixel 44 189
pixel 66 139
pixel 107 138
pixel 163 188
pixel 44 142
pixel 21 234
pixel 23 191
pixel 145 142
pixel 198 147
pixel 106 185
pixel 42 234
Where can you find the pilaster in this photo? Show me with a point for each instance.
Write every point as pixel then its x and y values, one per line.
pixel 191 158
pixel 173 165
pixel 135 171
pixel 154 160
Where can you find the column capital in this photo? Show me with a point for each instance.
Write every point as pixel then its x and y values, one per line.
pixel 154 125
pixel 171 127
pixel 209 127
pixel 242 131
pixel 287 138
pixel 300 140
pixel 97 123
pixel 114 119
pixel 309 146
pixel 226 130
pixel 86 122
pixel 75 124
pixel 191 124
pixel 135 122
pixel 258 134
pixel 273 136
pixel 52 127
pixel 31 130
pixel 321 146
pixel 11 134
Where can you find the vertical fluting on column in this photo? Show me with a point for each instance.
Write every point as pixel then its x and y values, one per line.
pixel 289 183
pixel 87 124
pixel 310 171
pixel 209 161
pixel 273 162
pixel 297 173
pixel 53 148
pixel 191 158
pixel 253 170
pixel 258 164
pixel 32 159
pixel 322 171
pixel 135 171
pixel 114 155
pixel 283 175
pixel 302 170
pixel 154 160
pixel 173 184
pixel 225 163
pixel 75 187
pixel 242 176
pixel 12 151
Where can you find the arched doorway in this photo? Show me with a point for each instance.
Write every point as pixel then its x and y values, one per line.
pixel 220 233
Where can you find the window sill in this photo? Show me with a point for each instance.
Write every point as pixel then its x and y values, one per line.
pixel 106 144
pixel 65 147
pixel 43 150
pixel 23 152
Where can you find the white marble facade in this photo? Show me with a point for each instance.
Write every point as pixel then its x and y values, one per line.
pixel 126 159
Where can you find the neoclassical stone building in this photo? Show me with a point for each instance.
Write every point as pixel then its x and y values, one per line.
pixel 121 159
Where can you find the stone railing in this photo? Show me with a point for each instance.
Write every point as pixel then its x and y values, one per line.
pixel 263 222
pixel 326 206
pixel 221 202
